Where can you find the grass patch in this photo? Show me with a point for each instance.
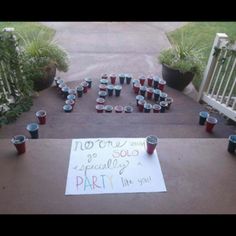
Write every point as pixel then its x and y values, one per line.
pixel 29 28
pixel 204 33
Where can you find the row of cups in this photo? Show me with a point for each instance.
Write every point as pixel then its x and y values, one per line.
pixel 164 104
pixel 33 129
pixel 108 90
pixel 152 82
pixel 80 90
pixel 70 94
pixel 113 77
pixel 118 108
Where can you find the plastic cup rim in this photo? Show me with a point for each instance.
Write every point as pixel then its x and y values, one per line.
pixel 204 112
pixel 150 142
pixel 32 124
pixel 41 113
pixel 14 140
pixel 230 138
pixel 211 120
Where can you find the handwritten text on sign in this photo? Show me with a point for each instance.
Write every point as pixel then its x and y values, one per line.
pixel 113 165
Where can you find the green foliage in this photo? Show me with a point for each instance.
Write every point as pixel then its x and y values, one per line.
pixel 15 90
pixel 28 28
pixel 204 33
pixel 41 53
pixel 184 56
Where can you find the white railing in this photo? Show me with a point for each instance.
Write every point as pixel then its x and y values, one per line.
pixel 218 87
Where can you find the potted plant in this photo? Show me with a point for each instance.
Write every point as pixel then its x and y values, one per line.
pixel 42 57
pixel 181 63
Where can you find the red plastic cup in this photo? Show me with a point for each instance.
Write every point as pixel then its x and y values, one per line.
pixel 102 87
pixel 100 101
pixel 142 80
pixel 149 93
pixel 19 142
pixel 113 78
pixel 119 109
pixel 70 102
pixel 136 88
pixel 150 80
pixel 85 86
pixel 210 123
pixel 151 142
pixel 141 105
pixel 41 115
pixel 161 84
pixel 156 108
pixel 100 108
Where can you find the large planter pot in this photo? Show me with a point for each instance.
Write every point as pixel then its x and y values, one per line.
pixel 175 79
pixel 43 83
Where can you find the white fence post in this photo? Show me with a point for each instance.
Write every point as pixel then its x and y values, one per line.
pixel 220 40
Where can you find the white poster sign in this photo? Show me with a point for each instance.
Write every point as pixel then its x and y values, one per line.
pixel 113 165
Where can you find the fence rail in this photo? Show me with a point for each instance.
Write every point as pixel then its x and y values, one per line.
pixel 218 88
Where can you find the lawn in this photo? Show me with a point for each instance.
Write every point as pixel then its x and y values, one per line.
pixel 28 28
pixel 204 33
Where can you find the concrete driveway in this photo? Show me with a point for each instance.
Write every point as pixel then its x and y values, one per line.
pixel 112 47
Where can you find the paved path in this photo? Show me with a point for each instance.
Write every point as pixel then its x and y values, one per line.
pixel 106 47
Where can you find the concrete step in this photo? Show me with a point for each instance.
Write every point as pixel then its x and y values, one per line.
pixel 76 125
